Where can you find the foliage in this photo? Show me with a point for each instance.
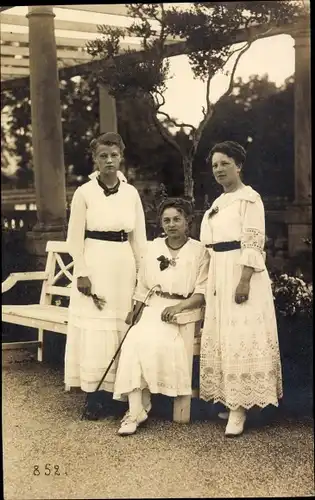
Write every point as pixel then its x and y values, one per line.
pixel 241 115
pixel 146 151
pixel 207 28
pixel 292 295
pixel 250 116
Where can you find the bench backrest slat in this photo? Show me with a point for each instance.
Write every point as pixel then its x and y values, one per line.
pixel 56 270
pixel 58 290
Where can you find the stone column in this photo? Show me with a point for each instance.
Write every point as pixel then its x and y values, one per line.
pixel 47 137
pixel 302 118
pixel 107 110
pixel 299 214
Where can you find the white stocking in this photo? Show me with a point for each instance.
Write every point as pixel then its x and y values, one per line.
pixel 146 398
pixel 135 402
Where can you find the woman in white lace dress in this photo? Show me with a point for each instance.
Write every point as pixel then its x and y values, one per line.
pixel 106 238
pixel 240 361
pixel 153 357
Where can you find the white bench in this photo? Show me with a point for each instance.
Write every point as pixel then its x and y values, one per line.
pixel 50 317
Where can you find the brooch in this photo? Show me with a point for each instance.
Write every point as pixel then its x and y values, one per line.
pixel 213 212
pixel 165 262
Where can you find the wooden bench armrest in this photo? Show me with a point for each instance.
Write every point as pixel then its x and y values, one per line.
pixel 13 278
pixel 191 316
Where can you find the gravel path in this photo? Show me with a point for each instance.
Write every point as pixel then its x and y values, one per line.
pixel 41 426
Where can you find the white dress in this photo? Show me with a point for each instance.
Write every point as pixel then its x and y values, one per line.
pixel 93 336
pixel 240 361
pixel 153 354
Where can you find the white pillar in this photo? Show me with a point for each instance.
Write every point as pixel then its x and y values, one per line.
pixel 47 137
pixel 48 156
pixel 299 216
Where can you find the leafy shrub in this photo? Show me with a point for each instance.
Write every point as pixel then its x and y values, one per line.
pixel 292 295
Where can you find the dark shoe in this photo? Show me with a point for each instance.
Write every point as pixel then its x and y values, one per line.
pixel 94 406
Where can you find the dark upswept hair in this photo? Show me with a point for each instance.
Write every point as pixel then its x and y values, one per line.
pixel 108 139
pixel 231 149
pixel 182 205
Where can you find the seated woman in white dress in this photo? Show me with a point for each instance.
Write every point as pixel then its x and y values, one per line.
pixel 153 357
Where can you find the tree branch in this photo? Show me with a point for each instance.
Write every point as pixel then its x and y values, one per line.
pixel 241 53
pixel 163 99
pixel 208 103
pixel 161 129
pixel 171 120
pixel 166 135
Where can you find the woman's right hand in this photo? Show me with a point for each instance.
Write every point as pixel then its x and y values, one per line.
pixel 84 285
pixel 134 315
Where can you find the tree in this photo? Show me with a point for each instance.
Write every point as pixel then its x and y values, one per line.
pixel 259 115
pixel 146 152
pixel 207 28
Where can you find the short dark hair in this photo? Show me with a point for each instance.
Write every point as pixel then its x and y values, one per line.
pixel 231 149
pixel 180 204
pixel 108 139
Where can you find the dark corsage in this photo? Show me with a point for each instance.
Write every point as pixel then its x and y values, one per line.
pixel 213 212
pixel 98 301
pixel 165 262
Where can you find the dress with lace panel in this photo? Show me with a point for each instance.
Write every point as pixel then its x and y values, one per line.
pixel 240 360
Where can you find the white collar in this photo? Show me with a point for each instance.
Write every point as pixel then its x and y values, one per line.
pixel 120 176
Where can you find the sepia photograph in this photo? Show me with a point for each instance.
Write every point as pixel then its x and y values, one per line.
pixel 157 281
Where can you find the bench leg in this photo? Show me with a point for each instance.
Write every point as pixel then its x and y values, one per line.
pixel 181 411
pixel 67 388
pixel 40 348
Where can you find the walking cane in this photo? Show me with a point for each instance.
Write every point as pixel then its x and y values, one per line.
pixel 118 349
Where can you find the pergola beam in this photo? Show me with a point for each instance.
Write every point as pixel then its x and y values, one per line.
pixel 116 10
pixel 60 40
pixel 172 49
pixel 14 71
pixel 61 54
pixel 60 24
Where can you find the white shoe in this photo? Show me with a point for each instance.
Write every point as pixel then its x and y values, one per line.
pixel 235 425
pixel 224 415
pixel 129 423
pixel 147 409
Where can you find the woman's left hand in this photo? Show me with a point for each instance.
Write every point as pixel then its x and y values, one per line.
pixel 242 292
pixel 169 313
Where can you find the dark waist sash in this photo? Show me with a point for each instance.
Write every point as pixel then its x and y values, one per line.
pixel 107 235
pixel 167 295
pixel 225 246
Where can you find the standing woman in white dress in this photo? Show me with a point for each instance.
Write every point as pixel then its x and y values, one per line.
pixel 106 238
pixel 240 360
pixel 153 357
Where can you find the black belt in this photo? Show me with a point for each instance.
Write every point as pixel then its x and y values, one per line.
pixel 107 235
pixel 225 246
pixel 167 295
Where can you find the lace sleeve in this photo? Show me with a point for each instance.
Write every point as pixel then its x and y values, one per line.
pixel 253 236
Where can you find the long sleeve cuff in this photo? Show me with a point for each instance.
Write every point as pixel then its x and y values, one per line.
pixel 253 258
pixel 200 289
pixel 80 269
pixel 140 296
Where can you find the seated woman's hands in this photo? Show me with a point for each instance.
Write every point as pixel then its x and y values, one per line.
pixel 135 314
pixel 169 312
pixel 84 285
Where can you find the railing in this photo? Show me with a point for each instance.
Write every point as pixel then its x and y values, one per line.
pixel 18 220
